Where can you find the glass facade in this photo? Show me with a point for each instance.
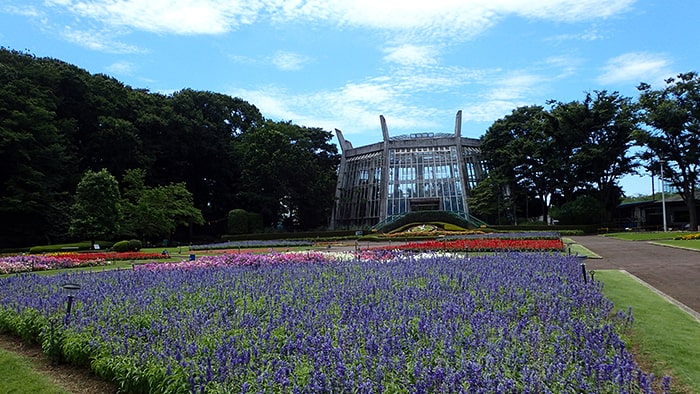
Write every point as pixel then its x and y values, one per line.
pixel 406 173
pixel 424 178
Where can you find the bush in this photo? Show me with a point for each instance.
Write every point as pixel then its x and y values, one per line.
pixel 238 221
pixel 133 245
pixel 583 210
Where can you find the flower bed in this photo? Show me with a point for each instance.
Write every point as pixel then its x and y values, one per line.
pixel 507 323
pixel 29 263
pixel 482 245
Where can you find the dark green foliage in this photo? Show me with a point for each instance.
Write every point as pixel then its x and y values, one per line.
pixel 583 210
pixel 97 207
pixel 553 155
pixel 155 212
pixel 133 245
pixel 238 221
pixel 672 115
pixel 58 121
pixel 288 174
pixel 241 221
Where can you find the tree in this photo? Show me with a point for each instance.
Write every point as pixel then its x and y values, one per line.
pixel 486 200
pixel 199 149
pixel 520 151
pixel 37 161
pixel 557 155
pixel 97 207
pixel 288 174
pixel 596 135
pixel 156 212
pixel 673 140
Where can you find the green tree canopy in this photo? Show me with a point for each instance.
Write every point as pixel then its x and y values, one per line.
pixel 156 212
pixel 97 207
pixel 555 155
pixel 288 174
pixel 672 115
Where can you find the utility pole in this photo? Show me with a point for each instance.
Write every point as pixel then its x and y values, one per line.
pixel 663 194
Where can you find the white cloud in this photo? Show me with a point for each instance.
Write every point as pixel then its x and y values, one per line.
pixel 588 35
pixel 168 16
pixel 409 21
pixel 98 41
pixel 121 68
pixel 636 67
pixel 28 11
pixel 411 55
pixel 513 87
pixel 566 10
pixel 288 61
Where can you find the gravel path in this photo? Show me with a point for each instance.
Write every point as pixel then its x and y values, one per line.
pixel 673 271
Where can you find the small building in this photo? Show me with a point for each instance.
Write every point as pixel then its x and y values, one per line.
pixel 405 173
pixel 648 214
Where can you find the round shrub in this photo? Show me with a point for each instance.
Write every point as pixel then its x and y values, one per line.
pixel 133 245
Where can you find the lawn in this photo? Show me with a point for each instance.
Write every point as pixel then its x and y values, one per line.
pixel 662 334
pixel 648 235
pixel 17 376
pixel 693 244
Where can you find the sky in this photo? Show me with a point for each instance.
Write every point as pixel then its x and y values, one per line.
pixel 340 64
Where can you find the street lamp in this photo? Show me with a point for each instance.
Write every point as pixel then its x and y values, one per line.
pixel 71 290
pixel 663 194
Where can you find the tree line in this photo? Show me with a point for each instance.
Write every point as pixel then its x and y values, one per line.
pixel 565 160
pixel 59 123
pixel 214 153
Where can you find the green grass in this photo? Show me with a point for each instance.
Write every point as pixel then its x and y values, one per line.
pixel 578 249
pixel 664 337
pixel 648 235
pixel 17 376
pixel 688 244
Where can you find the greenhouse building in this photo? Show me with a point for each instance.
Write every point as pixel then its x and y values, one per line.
pixel 405 173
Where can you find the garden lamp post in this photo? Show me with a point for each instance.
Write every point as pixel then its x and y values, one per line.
pixel 71 289
pixel 663 194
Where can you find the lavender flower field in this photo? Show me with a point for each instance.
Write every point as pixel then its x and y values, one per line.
pixel 516 322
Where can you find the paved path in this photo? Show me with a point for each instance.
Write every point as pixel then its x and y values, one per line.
pixel 673 271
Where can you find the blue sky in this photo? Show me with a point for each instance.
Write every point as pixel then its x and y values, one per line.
pixel 342 63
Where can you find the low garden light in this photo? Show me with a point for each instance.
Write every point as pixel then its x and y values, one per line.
pixel 71 290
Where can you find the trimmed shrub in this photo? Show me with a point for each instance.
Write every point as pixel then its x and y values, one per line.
pixel 238 221
pixel 121 246
pixel 133 245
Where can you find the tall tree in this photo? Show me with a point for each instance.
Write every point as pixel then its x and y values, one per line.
pixel 288 174
pixel 594 140
pixel 200 149
pixel 156 212
pixel 520 150
pixel 673 117
pixel 37 162
pixel 97 206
